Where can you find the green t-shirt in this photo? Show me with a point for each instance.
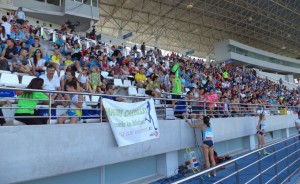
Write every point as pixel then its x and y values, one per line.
pixel 152 85
pixel 176 70
pixel 95 79
pixel 23 105
pixel 225 75
pixel 177 86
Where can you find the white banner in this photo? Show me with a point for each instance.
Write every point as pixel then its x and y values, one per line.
pixel 132 122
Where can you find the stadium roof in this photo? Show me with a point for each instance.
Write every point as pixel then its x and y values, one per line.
pixel 182 25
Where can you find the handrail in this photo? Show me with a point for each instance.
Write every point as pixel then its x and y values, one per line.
pixel 126 96
pixel 231 161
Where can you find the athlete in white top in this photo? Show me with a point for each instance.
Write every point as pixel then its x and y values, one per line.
pixel 207 138
pixel 261 128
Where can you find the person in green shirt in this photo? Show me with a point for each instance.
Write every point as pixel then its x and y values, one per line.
pixel 26 108
pixel 153 87
pixel 225 75
pixel 176 67
pixel 176 88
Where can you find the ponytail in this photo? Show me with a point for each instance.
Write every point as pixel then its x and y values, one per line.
pixel 206 121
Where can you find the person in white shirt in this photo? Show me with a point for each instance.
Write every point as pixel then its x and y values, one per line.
pixel 297 124
pixel 6 25
pixel 20 16
pixel 51 82
pixel 113 62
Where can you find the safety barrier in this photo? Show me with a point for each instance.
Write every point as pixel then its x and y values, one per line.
pixel 292 161
pixel 93 110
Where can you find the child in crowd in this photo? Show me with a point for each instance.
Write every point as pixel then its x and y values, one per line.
pixel 68 63
pixel 95 79
pixel 83 79
pixel 74 102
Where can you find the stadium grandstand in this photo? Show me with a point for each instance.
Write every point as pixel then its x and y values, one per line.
pixel 149 91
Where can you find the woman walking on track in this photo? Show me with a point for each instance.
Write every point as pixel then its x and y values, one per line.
pixel 261 128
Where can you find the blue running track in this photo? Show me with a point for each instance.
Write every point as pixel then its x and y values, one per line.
pixel 250 172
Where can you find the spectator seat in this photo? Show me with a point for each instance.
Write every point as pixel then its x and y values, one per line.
pixel 12 82
pixel 141 92
pixel 26 80
pixel 132 91
pixel 127 83
pixel 118 82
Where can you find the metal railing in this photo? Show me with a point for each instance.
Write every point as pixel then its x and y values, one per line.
pixel 295 161
pixel 181 109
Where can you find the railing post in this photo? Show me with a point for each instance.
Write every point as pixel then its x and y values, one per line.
pixel 259 169
pixel 287 158
pixel 165 104
pixel 50 102
pixel 205 108
pixel 101 110
pixel 237 175
pixel 275 161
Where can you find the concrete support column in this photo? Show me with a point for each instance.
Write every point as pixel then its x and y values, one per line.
pixel 120 34
pixel 252 145
pixel 286 133
pixel 92 22
pixel 157 43
pixel 207 59
pixel 167 163
pixel 289 78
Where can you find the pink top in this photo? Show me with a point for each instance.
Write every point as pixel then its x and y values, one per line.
pixel 212 98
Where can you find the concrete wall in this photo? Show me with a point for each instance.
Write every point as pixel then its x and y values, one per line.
pixel 262 63
pixel 68 7
pixel 221 51
pixel 36 6
pixel 32 152
pixel 74 8
pixel 262 52
pixel 273 75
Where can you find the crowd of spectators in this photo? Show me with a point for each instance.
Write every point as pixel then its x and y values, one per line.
pixel 207 82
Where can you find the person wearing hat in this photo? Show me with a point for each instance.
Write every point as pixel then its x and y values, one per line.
pixel 207 139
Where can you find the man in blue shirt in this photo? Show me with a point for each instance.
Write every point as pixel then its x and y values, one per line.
pixel 17 34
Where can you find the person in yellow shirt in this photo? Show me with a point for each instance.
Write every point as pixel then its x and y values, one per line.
pixel 140 78
pixel 56 60
pixel 225 75
pixel 68 62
